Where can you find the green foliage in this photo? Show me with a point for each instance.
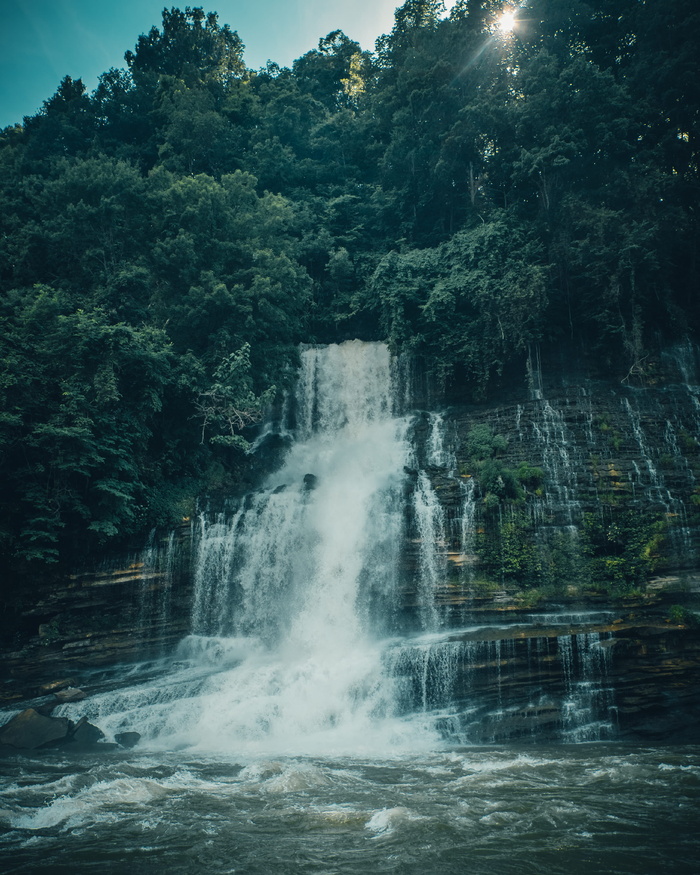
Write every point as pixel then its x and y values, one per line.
pixel 679 615
pixel 613 435
pixel 508 552
pixel 530 476
pixel 482 443
pixel 498 483
pixel 168 240
pixel 622 547
pixel 470 303
pixel 229 405
pixel 191 46
pixel 85 398
pixel 505 544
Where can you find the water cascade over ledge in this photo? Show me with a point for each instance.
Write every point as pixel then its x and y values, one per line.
pixel 312 632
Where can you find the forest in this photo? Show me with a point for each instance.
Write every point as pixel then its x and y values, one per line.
pixel 467 192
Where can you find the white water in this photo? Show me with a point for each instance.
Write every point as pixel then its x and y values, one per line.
pixel 438 452
pixel 292 589
pixel 552 436
pixel 430 522
pixel 563 810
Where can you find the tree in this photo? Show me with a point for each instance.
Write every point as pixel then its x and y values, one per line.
pixel 82 399
pixel 65 125
pixel 229 405
pixel 191 46
pixel 333 73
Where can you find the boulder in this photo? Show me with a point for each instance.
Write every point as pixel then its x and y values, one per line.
pixel 70 694
pixel 128 739
pixel 86 734
pixel 29 730
pixel 55 686
pixel 44 705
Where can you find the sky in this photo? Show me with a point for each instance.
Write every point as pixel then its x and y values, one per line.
pixel 41 41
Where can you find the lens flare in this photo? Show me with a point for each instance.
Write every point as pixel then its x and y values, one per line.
pixel 507 21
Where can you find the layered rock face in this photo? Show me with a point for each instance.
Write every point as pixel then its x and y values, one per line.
pixel 552 544
pixel 132 608
pixel 577 497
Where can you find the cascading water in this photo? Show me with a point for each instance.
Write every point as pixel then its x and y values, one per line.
pixel 467 522
pixel 309 632
pixel 438 452
pixel 652 483
pixel 551 433
pixel 157 568
pixel 430 522
pixel 305 644
pixel 296 587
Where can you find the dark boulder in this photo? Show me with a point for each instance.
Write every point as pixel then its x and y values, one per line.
pixel 30 730
pixel 128 739
pixel 44 705
pixel 85 734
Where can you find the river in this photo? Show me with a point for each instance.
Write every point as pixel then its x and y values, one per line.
pixel 587 808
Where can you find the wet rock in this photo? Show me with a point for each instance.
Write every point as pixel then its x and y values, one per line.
pixel 85 734
pixel 128 739
pixel 44 705
pixel 30 730
pixel 55 686
pixel 70 694
pixel 310 481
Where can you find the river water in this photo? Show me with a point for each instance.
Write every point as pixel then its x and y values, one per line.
pixel 588 808
pixel 306 726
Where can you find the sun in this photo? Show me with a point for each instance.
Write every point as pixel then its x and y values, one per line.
pixel 507 21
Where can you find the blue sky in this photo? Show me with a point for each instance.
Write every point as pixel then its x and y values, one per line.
pixel 41 41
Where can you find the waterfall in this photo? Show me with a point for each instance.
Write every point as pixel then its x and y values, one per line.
pixel 296 585
pixel 585 659
pixel 430 522
pixel 653 483
pixel 485 683
pixel 156 566
pixel 315 628
pixel 468 521
pixel 552 435
pixel 438 453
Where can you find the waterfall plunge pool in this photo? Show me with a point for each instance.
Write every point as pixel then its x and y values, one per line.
pixel 586 808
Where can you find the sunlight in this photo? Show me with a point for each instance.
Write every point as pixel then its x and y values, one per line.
pixel 507 21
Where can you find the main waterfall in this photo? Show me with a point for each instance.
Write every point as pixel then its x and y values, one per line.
pixel 296 588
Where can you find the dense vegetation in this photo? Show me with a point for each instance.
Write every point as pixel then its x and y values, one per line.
pixel 466 192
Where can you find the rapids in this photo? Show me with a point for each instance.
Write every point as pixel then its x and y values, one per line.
pixel 562 810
